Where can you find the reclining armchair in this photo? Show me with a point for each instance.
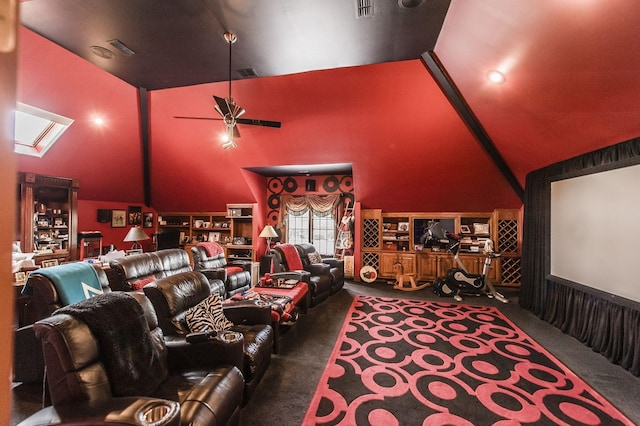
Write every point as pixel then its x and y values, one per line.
pixel 173 297
pixel 51 289
pixel 209 259
pixel 310 256
pixel 107 363
pixel 286 259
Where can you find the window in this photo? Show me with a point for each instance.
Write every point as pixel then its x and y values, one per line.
pixel 36 130
pixel 310 226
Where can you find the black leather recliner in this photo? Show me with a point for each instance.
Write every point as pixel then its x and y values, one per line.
pixel 336 266
pixel 132 272
pixel 28 363
pixel 173 296
pixel 317 276
pixel 235 276
pixel 88 369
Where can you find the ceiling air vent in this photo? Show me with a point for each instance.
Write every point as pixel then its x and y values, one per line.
pixel 247 73
pixel 364 8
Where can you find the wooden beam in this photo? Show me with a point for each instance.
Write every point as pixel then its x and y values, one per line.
pixel 439 73
pixel 143 105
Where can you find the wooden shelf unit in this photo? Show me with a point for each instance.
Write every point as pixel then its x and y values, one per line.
pixel 48 221
pixel 222 227
pixel 383 244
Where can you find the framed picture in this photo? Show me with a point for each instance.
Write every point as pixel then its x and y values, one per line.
pixel 49 263
pixel 465 229
pixel 215 236
pixel 235 212
pixel 134 215
pixel 147 220
pixel 403 226
pixel 239 241
pixel 481 228
pixel 118 218
pixel 20 277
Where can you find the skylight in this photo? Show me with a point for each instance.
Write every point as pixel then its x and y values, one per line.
pixel 37 130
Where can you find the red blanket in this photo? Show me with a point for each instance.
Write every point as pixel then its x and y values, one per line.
pixel 292 257
pixel 213 249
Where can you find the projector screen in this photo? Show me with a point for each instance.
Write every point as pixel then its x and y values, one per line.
pixel 595 231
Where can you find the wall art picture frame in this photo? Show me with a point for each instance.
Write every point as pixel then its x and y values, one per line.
pixel 134 215
pixel 118 218
pixel 147 220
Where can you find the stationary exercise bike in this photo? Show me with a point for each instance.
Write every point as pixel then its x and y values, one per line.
pixel 458 280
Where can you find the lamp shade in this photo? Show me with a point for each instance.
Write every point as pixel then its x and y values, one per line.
pixel 136 234
pixel 268 232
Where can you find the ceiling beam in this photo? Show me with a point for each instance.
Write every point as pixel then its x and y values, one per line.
pixel 143 113
pixel 443 79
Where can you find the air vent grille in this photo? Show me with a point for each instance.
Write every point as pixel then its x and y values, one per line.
pixel 364 8
pixel 247 73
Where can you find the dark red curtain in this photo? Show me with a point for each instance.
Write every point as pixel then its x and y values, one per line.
pixel 608 324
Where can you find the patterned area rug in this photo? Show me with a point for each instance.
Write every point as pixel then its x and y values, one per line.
pixel 406 362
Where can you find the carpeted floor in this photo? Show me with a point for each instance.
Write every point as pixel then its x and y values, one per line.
pixel 404 361
pixel 285 392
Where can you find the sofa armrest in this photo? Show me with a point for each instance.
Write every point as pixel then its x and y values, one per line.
pixel 303 276
pixel 319 269
pixel 126 410
pixel 214 274
pixel 334 262
pixel 244 264
pixel 210 353
pixel 247 312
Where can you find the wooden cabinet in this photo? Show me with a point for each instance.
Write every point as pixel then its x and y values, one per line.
pixel 387 260
pixel 387 237
pixel 48 219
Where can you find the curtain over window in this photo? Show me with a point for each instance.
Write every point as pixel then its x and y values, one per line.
pixel 311 219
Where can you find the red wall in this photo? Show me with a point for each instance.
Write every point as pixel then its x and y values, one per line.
pixel 88 221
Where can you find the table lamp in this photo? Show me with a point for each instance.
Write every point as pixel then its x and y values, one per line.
pixel 136 234
pixel 268 232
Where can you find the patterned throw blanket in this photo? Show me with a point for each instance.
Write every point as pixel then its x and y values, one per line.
pixel 116 319
pixel 292 257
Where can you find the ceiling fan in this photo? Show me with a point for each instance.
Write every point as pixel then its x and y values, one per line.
pixel 230 111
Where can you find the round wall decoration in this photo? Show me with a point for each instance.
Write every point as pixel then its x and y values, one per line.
pixel 368 274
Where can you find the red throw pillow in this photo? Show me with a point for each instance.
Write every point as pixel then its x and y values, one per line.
pixel 139 284
pixel 233 269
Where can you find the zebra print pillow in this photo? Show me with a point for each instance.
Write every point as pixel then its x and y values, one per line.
pixel 207 316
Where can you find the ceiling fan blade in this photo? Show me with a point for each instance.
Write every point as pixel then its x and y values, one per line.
pixel 236 132
pixel 221 106
pixel 198 118
pixel 255 122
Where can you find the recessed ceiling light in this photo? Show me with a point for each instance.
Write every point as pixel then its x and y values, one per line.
pixel 496 76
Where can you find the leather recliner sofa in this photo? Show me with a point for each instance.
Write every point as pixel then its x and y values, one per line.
pixel 97 377
pixel 133 272
pixel 173 296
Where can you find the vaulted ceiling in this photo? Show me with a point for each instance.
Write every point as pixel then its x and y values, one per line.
pixel 346 89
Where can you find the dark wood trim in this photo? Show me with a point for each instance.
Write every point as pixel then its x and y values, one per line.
pixel 143 104
pixel 439 73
